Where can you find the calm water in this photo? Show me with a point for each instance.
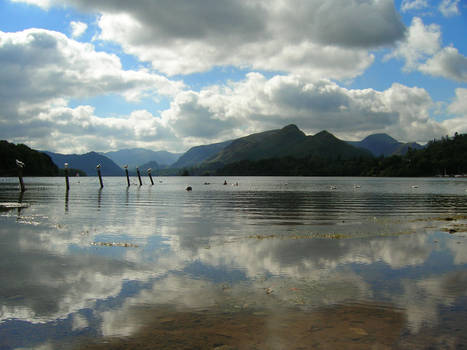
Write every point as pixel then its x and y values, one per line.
pixel 273 263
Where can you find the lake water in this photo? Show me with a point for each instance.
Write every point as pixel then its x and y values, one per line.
pixel 273 263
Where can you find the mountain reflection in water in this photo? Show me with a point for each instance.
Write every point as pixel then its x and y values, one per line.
pixel 274 263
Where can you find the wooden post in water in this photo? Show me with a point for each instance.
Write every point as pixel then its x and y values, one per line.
pixel 139 177
pixel 20 165
pixel 150 176
pixel 127 176
pixel 98 167
pixel 66 178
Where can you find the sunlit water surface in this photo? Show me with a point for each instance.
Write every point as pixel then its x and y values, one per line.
pixel 270 263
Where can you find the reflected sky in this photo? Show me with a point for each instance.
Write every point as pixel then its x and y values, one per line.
pixel 96 264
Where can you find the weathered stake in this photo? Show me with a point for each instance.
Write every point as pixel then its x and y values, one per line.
pixel 98 167
pixel 139 177
pixel 127 176
pixel 150 176
pixel 66 178
pixel 20 165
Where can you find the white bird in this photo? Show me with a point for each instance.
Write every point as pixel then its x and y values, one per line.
pixel 19 163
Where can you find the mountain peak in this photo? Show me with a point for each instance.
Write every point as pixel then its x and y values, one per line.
pixel 324 134
pixel 292 129
pixel 380 138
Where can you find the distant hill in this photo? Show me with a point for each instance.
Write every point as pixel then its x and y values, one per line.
pixel 384 145
pixel 134 157
pixel 36 163
pixel 199 154
pixel 286 142
pixel 87 163
pixel 143 168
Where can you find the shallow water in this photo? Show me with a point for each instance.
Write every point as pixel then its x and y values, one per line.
pixel 273 263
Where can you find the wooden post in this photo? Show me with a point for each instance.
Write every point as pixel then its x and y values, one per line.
pixel 150 176
pixel 66 201
pixel 139 177
pixel 127 176
pixel 98 167
pixel 66 178
pixel 20 165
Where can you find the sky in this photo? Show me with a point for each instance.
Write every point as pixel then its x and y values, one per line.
pixel 84 75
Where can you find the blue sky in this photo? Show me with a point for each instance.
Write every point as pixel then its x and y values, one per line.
pixel 82 75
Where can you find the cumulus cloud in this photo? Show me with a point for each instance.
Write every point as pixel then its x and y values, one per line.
pixel 449 8
pixel 42 70
pixel 38 65
pixel 447 63
pixel 41 3
pixel 314 38
pixel 78 28
pixel 408 5
pixel 459 109
pixel 258 103
pixel 421 50
pixel 421 42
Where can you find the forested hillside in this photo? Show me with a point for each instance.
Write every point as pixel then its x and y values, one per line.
pixel 439 157
pixel 36 163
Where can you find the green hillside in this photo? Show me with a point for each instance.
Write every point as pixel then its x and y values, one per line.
pixel 36 163
pixel 439 157
pixel 286 142
pixel 199 154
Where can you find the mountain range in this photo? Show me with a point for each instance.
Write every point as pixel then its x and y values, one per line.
pixel 135 157
pixel 384 145
pixel 288 141
pixel 87 163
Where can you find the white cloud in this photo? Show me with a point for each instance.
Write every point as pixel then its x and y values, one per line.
pixel 449 8
pixel 447 63
pixel 408 5
pixel 314 38
pixel 41 70
pixel 459 108
pixel 45 4
pixel 420 43
pixel 38 64
pixel 258 104
pixel 78 28
pixel 422 51
pixel 459 105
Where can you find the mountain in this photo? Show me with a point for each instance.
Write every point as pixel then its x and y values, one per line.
pixel 134 157
pixel 143 168
pixel 36 163
pixel 289 141
pixel 87 162
pixel 267 144
pixel 384 145
pixel 198 154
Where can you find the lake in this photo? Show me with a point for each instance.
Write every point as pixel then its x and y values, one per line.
pixel 270 263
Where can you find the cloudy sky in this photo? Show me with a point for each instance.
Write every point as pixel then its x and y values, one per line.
pixel 82 75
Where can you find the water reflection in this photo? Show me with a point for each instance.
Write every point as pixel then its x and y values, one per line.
pixel 112 263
